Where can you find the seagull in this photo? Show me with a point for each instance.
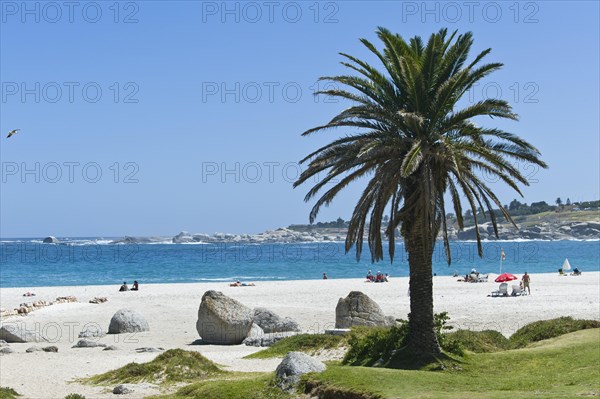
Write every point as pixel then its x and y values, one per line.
pixel 12 132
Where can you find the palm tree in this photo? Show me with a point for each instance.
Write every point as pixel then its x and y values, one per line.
pixel 413 145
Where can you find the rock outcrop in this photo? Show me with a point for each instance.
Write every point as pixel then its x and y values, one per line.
pixel 223 320
pixel 127 321
pixel 51 240
pixel 357 309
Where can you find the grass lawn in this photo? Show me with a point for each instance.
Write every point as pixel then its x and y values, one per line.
pixel 563 367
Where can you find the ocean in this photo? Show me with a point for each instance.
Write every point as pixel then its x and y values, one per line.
pixel 94 261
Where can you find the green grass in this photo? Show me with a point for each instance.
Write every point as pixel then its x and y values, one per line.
pixel 545 329
pixel 479 341
pixel 8 393
pixel 74 396
pixel 172 366
pixel 308 343
pixel 563 367
pixel 250 386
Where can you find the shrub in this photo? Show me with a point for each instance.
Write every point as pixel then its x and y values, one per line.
pixel 74 396
pixel 8 393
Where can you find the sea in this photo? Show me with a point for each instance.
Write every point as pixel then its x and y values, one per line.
pixel 28 262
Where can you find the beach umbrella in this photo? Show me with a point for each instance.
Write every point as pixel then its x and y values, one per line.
pixel 504 277
pixel 566 265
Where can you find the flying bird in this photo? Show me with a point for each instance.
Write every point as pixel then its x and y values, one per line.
pixel 12 132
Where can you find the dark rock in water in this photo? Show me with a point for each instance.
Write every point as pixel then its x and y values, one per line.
pixel 15 333
pixel 294 365
pixel 86 343
pixel 357 309
pixel 127 321
pixel 272 323
pixel 223 320
pixel 138 240
pixel 121 390
pixel 51 240
pixel 183 237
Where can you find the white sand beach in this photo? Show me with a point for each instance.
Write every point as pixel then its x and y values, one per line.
pixel 171 310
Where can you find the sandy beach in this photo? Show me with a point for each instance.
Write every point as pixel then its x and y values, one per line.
pixel 171 310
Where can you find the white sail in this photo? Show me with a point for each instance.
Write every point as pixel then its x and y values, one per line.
pixel 566 266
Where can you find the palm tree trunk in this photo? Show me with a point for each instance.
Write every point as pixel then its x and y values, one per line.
pixel 422 340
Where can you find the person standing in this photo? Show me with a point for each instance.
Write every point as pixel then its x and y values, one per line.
pixel 525 281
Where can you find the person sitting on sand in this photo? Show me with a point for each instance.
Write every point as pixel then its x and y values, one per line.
pixel 370 276
pixel 576 272
pixel 135 286
pixel 560 272
pixel 124 287
pixel 240 284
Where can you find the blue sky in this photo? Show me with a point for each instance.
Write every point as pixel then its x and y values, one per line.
pixel 152 117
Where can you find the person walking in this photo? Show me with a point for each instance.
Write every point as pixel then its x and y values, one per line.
pixel 525 279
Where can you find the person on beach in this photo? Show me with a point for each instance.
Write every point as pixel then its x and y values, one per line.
pixel 525 281
pixel 370 276
pixel 135 286
pixel 124 287
pixel 324 276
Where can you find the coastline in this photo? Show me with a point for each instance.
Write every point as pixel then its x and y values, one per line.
pixel 171 310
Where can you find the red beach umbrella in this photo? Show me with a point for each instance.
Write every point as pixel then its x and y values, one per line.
pixel 504 277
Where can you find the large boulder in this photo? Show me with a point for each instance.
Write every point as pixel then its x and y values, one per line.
pixel 17 333
pixel 127 321
pixel 272 323
pixel 294 365
pixel 357 309
pixel 51 240
pixel 223 320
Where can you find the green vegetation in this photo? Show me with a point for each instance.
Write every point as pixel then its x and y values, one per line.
pixel 563 367
pixel 175 365
pixel 477 341
pixel 251 386
pixel 545 329
pixel 8 393
pixel 74 396
pixel 309 343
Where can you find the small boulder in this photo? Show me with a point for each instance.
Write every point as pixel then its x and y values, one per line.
pixel 33 349
pixel 111 348
pixel 92 332
pixel 223 320
pixel 121 390
pixel 17 333
pixel 86 343
pixel 357 309
pixel 127 321
pixel 272 323
pixel 7 350
pixel 294 365
pixel 51 240
pixel 149 350
pixel 3 343
pixel 52 349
